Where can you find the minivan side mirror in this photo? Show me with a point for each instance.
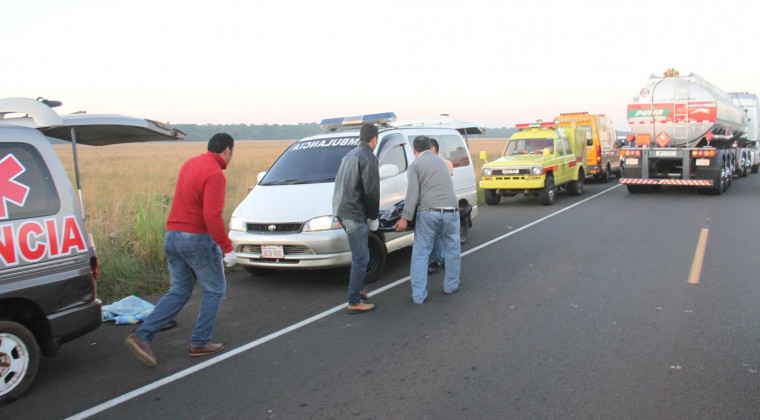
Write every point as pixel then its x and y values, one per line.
pixel 388 170
pixel 260 176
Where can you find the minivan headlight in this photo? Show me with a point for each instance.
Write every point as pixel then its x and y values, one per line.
pixel 487 171
pixel 537 170
pixel 321 223
pixel 237 224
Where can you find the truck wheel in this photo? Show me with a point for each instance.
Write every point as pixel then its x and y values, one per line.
pixel 546 195
pixel 259 271
pixel 491 197
pixel 19 360
pixel 377 256
pixel 576 187
pixel 633 189
pixel 606 175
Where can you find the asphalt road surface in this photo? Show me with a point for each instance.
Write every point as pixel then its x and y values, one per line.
pixel 606 305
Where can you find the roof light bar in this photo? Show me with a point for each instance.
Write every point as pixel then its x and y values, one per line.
pixel 332 124
pixel 537 124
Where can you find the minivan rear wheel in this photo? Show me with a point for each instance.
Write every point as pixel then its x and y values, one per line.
pixel 19 360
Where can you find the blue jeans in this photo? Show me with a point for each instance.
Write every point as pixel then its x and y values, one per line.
pixel 358 241
pixel 191 257
pixel 429 224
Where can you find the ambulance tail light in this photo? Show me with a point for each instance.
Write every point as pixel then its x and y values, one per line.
pixel 598 154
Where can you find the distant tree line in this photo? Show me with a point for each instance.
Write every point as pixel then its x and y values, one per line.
pixel 203 132
pixel 196 132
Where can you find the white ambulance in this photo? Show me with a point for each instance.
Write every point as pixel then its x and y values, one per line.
pixel 286 221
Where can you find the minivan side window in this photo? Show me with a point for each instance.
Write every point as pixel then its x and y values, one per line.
pixel 26 187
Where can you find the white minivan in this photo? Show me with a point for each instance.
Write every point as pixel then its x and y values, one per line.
pixel 286 221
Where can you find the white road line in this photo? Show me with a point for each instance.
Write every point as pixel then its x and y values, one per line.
pixel 234 352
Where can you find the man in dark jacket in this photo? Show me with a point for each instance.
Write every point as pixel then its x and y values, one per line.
pixel 356 202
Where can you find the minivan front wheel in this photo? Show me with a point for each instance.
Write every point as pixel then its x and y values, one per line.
pixel 19 360
pixel 377 256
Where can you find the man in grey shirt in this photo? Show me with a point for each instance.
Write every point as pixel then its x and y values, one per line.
pixel 430 196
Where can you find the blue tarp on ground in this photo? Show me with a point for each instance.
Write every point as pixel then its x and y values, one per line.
pixel 129 310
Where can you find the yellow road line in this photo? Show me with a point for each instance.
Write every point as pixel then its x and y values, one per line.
pixel 699 256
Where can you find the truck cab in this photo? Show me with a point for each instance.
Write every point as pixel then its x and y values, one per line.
pixel 538 159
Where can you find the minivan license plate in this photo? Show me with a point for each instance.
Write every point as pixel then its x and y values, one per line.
pixel 272 251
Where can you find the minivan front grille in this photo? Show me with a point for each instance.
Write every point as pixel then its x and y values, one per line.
pixel 287 249
pixel 274 227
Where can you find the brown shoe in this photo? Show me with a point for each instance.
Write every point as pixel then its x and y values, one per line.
pixel 360 308
pixel 141 350
pixel 206 349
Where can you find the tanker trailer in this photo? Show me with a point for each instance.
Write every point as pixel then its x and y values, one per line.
pixel 751 106
pixel 686 133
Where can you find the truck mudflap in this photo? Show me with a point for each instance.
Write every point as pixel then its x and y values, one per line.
pixel 683 182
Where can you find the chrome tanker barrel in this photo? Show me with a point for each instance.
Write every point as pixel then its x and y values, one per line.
pixel 681 111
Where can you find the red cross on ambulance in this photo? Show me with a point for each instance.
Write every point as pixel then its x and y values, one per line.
pixel 10 190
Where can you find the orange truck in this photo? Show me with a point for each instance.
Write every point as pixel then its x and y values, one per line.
pixel 602 148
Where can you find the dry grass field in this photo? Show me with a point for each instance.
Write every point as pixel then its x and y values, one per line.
pixel 127 191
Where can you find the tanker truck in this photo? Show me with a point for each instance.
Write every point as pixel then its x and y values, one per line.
pixel 749 140
pixel 687 133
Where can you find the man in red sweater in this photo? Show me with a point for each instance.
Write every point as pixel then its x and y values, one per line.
pixel 195 244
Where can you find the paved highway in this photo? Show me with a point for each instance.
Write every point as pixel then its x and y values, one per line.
pixel 606 305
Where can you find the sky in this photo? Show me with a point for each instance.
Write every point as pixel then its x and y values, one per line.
pixel 496 63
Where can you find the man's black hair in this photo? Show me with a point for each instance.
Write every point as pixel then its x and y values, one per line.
pixel 434 145
pixel 367 132
pixel 421 143
pixel 219 142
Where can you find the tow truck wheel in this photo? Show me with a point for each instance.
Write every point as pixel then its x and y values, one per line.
pixel 19 360
pixel 546 195
pixel 633 189
pixel 606 175
pixel 491 197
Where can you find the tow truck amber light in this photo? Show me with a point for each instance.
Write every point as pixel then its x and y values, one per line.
pixel 703 153
pixel 631 152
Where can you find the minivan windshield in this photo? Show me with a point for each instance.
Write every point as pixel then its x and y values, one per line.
pixel 310 162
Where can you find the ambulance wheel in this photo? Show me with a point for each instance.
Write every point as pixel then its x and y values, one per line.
pixel 605 177
pixel 464 229
pixel 546 195
pixel 19 360
pixel 491 197
pixel 377 256
pixel 755 168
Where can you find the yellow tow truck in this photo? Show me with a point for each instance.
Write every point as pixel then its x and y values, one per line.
pixel 539 159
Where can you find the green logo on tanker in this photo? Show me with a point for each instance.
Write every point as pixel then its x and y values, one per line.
pixel 643 113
